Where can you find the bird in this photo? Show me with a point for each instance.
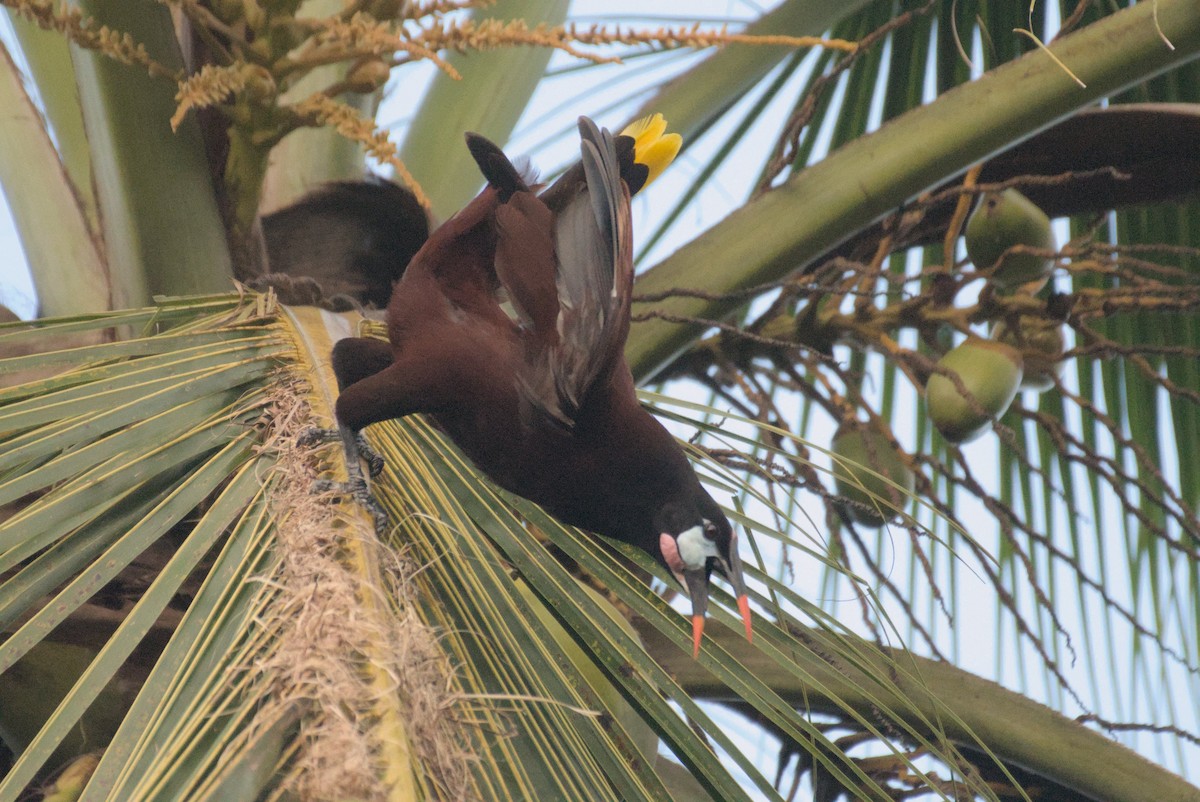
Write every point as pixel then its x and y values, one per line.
pixel 542 399
pixel 343 245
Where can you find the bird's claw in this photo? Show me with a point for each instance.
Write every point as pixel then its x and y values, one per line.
pixel 317 436
pixel 357 451
pixel 357 489
pixel 373 458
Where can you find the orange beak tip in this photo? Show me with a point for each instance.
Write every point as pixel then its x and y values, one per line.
pixel 697 634
pixel 743 603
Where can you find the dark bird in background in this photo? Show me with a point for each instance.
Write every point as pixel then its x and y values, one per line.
pixel 343 245
pixel 544 404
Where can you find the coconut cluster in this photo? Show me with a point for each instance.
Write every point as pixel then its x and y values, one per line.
pixel 1010 242
pixel 1009 239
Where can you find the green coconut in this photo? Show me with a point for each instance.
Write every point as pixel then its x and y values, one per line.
pixel 1001 221
pixel 991 374
pixel 1041 344
pixel 69 784
pixel 867 469
pixel 681 784
pixel 642 734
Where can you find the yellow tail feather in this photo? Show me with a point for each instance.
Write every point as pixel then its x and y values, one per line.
pixel 652 146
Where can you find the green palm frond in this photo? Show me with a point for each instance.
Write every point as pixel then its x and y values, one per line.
pixel 116 454
pixel 817 209
pixel 163 504
pixel 1091 508
pixel 489 97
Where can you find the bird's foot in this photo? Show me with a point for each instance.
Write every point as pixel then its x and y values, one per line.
pixel 316 436
pixel 356 450
pixel 291 290
pixel 357 489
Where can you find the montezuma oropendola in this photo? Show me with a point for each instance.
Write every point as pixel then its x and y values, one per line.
pixel 543 404
pixel 344 244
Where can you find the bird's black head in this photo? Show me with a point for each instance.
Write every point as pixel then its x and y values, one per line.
pixel 694 539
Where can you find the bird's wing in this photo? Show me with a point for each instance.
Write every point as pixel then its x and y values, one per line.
pixel 524 256
pixel 566 260
pixel 594 250
pixel 499 172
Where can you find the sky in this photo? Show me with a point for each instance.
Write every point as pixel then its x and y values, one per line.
pixel 981 645
pixel 16 286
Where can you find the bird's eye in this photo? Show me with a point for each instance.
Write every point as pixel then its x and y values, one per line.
pixel 710 530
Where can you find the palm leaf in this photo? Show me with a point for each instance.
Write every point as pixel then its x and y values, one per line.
pixel 874 174
pixel 153 184
pixel 303 654
pixel 1052 477
pixel 73 269
pixel 488 98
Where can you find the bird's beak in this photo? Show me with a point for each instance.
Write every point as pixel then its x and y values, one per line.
pixel 697 587
pixel 733 572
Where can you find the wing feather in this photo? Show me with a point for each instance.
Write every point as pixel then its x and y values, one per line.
pixel 595 269
pixel 566 260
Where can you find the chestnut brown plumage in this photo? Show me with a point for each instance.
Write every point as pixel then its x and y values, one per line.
pixel 543 404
